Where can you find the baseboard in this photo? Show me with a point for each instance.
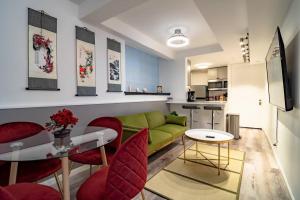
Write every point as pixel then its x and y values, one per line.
pixel 251 127
pixel 279 164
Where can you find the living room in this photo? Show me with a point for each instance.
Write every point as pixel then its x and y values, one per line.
pixel 83 81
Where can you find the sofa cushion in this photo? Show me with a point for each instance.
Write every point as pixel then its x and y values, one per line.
pixel 159 139
pixel 173 129
pixel 134 121
pixel 155 119
pixel 173 119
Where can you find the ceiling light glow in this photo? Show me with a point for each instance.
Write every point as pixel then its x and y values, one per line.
pixel 202 65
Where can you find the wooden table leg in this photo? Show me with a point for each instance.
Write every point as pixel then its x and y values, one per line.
pixel 228 155
pixel 219 159
pixel 66 181
pixel 196 148
pixel 103 156
pixel 183 141
pixel 13 173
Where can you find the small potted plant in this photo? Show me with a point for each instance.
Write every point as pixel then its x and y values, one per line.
pixel 60 122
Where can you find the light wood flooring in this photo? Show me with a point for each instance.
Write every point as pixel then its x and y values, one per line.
pixel 261 179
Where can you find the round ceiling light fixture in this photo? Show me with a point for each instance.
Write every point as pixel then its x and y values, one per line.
pixel 178 39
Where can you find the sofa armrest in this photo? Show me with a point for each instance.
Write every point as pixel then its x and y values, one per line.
pixel 128 131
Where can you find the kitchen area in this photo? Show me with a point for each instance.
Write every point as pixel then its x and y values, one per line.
pixel 206 98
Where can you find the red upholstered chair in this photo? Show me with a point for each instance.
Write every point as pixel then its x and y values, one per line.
pixel 28 191
pixel 126 175
pixel 93 157
pixel 28 171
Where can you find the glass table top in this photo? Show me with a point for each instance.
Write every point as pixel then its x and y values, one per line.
pixel 44 145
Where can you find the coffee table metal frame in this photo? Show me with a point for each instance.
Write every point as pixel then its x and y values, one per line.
pixel 205 158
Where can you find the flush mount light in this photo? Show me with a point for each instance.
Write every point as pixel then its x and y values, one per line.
pixel 202 65
pixel 178 39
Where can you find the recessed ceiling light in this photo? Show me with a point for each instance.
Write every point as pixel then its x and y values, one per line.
pixel 202 65
pixel 178 39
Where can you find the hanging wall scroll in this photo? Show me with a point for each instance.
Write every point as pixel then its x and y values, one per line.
pixel 86 64
pixel 114 70
pixel 42 66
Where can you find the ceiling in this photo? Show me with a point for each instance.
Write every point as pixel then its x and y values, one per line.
pixel 156 17
pixel 213 26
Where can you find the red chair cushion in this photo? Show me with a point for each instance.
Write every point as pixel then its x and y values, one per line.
pixel 18 130
pixel 92 157
pixel 30 171
pixel 93 188
pixel 29 191
pixel 5 195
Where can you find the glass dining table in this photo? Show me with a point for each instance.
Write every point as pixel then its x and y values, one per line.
pixel 44 146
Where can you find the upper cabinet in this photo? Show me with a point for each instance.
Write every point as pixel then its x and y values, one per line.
pixel 217 73
pixel 199 77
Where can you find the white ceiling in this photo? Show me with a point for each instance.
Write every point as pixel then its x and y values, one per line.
pixel 213 26
pixel 156 17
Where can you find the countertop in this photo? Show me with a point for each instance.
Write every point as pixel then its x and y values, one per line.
pixel 199 102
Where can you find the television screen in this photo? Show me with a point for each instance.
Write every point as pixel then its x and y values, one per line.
pixel 278 83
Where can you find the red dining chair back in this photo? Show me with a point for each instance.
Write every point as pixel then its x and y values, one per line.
pixel 113 123
pixel 28 171
pixel 127 173
pixel 5 195
pixel 18 130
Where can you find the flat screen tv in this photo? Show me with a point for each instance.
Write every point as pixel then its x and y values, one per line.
pixel 278 81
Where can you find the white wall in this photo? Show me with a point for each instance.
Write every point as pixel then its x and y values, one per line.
pixel 172 76
pixel 14 56
pixel 288 149
pixel 246 86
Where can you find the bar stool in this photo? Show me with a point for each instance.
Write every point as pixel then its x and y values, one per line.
pixel 213 109
pixel 191 108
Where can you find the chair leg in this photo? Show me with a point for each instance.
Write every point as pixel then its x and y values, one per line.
pixel 143 195
pixel 58 183
pixel 70 168
pixel 91 169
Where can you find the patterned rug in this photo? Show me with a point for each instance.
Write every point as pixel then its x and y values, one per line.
pixel 197 178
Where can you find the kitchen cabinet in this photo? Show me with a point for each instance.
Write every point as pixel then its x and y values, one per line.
pixel 199 77
pixel 217 73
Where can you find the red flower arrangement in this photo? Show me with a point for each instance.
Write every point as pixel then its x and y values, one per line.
pixel 62 119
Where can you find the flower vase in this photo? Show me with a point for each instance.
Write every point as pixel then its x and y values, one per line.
pixel 62 140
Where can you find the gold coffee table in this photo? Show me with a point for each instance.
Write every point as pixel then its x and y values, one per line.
pixel 211 137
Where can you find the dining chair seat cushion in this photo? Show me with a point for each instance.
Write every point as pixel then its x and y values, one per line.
pixel 92 157
pixel 30 171
pixel 30 191
pixel 94 187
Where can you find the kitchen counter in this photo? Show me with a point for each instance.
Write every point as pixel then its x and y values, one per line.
pixel 198 102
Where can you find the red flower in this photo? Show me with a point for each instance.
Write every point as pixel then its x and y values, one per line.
pixel 62 119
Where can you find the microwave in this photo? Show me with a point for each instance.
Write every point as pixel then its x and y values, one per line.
pixel 217 84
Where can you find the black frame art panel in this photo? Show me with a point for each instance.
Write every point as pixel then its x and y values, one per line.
pixel 114 67
pixel 85 62
pixel 42 66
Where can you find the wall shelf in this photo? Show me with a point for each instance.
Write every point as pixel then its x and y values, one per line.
pixel 147 93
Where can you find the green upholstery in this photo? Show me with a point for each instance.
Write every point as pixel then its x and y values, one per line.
pixel 159 140
pixel 173 119
pixel 155 119
pixel 134 121
pixel 173 129
pixel 160 132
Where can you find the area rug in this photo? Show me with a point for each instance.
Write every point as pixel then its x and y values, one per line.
pixel 197 178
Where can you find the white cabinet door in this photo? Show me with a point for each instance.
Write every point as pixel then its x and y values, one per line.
pixel 212 74
pixel 222 72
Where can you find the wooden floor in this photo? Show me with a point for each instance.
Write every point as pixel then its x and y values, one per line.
pixel 262 178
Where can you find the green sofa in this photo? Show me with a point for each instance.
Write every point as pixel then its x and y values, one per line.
pixel 162 129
